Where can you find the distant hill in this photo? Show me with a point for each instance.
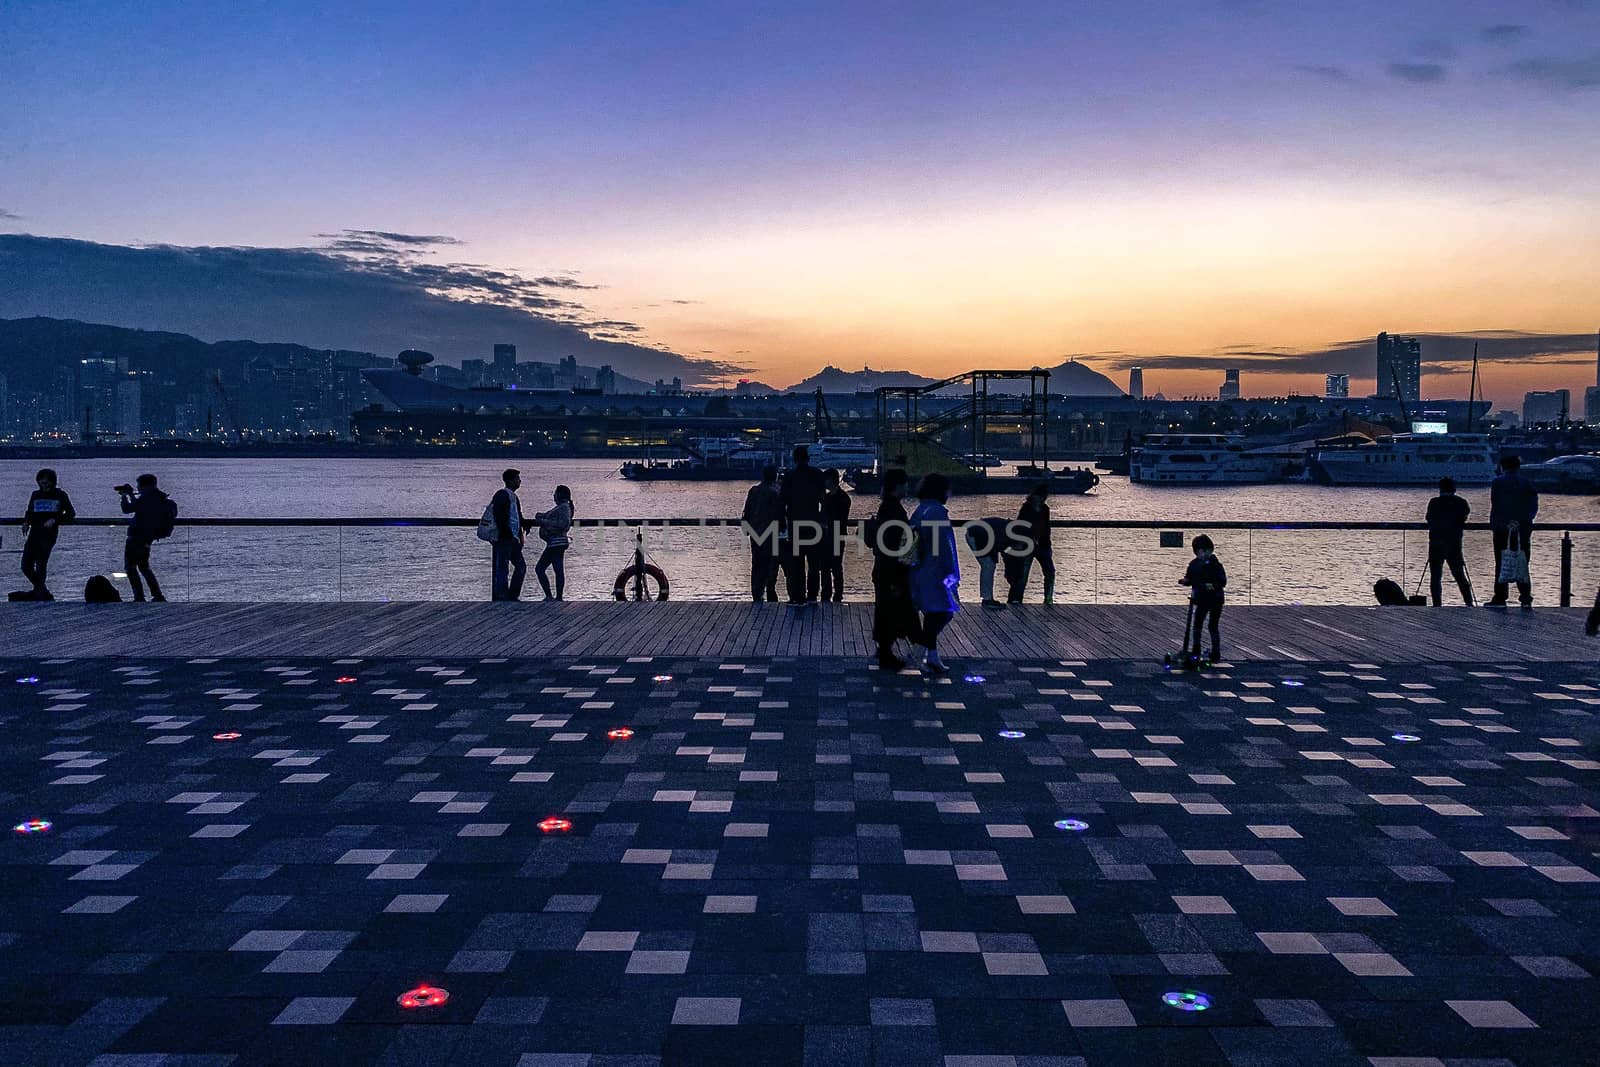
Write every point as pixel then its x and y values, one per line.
pixel 1069 379
pixel 831 379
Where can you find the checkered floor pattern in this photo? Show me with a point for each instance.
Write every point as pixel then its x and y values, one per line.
pixel 638 861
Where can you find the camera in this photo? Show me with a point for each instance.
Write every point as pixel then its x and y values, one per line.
pixel 123 489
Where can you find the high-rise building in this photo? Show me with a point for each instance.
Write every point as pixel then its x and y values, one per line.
pixel 1136 383
pixel 605 379
pixel 1230 384
pixel 1399 361
pixel 1338 387
pixel 95 409
pixel 1546 406
pixel 130 397
pixel 1591 395
pixel 505 364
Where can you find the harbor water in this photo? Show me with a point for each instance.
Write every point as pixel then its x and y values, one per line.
pixel 1266 566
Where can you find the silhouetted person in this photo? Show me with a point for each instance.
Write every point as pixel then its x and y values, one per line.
pixel 1035 512
pixel 1513 503
pixel 802 494
pixel 506 507
pixel 989 540
pixel 553 531
pixel 154 515
pixel 836 522
pixel 99 590
pixel 935 571
pixel 48 508
pixel 1447 523
pixel 1206 580
pixel 762 518
pixel 894 616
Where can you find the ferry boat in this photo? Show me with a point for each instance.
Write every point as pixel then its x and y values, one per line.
pixel 842 453
pixel 710 459
pixel 1565 474
pixel 1408 459
pixel 1200 459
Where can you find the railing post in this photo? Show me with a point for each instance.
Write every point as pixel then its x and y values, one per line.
pixel 1566 568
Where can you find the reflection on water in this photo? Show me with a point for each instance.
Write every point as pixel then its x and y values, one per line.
pixel 419 563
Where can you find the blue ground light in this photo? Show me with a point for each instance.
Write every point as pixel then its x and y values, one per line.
pixel 1406 737
pixel 1074 825
pixel 1186 1000
pixel 976 679
pixel 1293 683
pixel 1012 735
pixel 28 679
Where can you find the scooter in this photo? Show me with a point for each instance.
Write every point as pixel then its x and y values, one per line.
pixel 1187 660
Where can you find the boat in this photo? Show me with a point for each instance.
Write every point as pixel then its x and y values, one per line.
pixel 983 460
pixel 709 459
pixel 842 453
pixel 1407 459
pixel 1063 481
pixel 1565 474
pixel 1201 459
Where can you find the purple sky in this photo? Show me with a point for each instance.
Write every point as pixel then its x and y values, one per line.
pixel 919 184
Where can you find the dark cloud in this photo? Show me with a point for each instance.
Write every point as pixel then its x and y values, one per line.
pixel 1504 33
pixel 387 238
pixel 4 214
pixel 1326 72
pixel 1357 357
pixel 1555 72
pixel 1418 73
pixel 1433 48
pixel 376 300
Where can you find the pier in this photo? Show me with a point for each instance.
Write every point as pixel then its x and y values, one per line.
pixel 711 833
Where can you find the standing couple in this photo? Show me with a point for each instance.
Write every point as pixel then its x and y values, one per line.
pixel 914 569
pixel 504 527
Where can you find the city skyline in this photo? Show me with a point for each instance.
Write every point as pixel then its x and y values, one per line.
pixel 760 193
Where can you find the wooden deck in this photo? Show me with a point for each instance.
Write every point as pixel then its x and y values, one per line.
pixel 734 630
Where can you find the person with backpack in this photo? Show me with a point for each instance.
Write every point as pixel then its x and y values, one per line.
pixel 553 531
pixel 988 539
pixel 155 516
pixel 836 520
pixel 1447 523
pixel 1206 579
pixel 502 527
pixel 48 508
pixel 761 519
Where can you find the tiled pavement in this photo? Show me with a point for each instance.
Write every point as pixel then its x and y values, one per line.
pixel 798 862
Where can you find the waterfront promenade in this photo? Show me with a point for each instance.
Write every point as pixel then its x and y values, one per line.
pixel 689 834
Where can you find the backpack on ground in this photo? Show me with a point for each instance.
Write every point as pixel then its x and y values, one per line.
pixel 99 590
pixel 1389 593
pixel 167 521
pixel 488 529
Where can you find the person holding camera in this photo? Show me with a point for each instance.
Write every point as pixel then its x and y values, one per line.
pixel 154 517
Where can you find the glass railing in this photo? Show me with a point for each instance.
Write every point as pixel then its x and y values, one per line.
pixel 1105 562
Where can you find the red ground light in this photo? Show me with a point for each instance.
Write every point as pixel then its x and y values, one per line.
pixel 424 996
pixel 555 825
pixel 621 733
pixel 345 680
pixel 33 826
pixel 227 735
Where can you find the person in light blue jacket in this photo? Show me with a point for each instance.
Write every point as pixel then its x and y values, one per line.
pixel 935 571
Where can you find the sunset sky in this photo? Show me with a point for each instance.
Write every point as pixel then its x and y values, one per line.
pixel 924 185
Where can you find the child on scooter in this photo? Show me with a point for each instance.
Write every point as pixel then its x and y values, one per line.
pixel 1206 580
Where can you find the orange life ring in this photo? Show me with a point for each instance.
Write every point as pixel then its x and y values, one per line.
pixel 626 576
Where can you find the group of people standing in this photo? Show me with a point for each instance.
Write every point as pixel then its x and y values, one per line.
pixel 152 517
pixel 1513 505
pixel 506 529
pixel 798 526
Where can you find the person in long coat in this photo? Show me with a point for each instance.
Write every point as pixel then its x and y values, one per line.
pixel 935 571
pixel 889 535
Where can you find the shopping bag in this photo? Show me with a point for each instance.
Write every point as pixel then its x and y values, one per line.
pixel 1513 566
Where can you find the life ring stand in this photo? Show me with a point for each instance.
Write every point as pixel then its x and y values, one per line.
pixel 628 574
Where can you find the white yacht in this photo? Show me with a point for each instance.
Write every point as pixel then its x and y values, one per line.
pixel 1200 459
pixel 1408 459
pixel 842 453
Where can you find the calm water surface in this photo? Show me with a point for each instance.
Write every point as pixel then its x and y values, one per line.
pixel 451 564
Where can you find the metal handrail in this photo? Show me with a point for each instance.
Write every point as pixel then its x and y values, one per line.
pixel 1059 524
